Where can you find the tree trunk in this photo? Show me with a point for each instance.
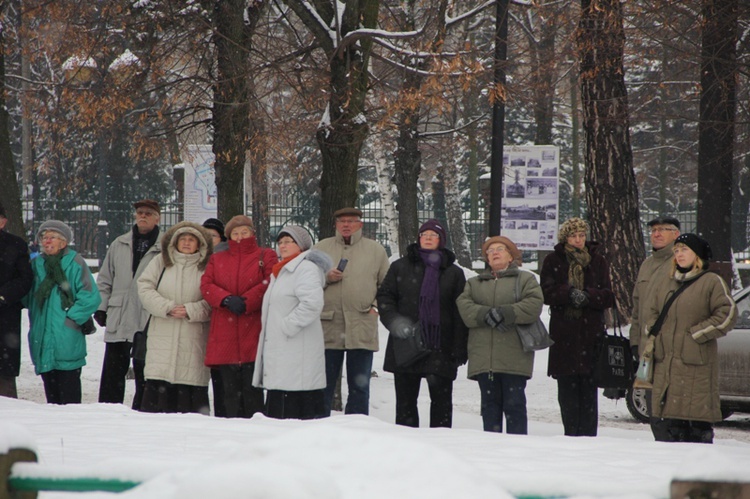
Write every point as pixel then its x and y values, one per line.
pixel 543 73
pixel 454 213
pixel 387 202
pixel 716 126
pixel 611 191
pixel 407 163
pixel 230 119
pixel 9 192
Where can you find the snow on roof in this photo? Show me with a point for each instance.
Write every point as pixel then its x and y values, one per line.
pixel 124 60
pixel 76 62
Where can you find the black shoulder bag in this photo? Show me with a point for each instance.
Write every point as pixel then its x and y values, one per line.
pixel 139 338
pixel 614 367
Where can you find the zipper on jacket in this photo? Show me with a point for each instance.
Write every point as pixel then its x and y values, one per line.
pixel 491 376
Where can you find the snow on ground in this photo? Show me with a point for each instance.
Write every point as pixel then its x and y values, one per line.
pixel 192 456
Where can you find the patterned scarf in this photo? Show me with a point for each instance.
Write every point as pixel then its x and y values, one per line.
pixel 55 277
pixel 429 298
pixel 578 259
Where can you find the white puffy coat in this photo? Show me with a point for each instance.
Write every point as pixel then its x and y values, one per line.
pixel 291 350
pixel 176 348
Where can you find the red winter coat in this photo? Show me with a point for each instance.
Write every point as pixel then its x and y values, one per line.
pixel 233 339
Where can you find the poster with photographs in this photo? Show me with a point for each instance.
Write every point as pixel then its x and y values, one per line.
pixel 531 196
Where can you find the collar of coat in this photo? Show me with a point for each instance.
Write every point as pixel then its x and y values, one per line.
pixel 688 276
pixel 448 257
pixel 356 237
pixel 170 237
pixel 489 275
pixel 664 253
pixel 318 257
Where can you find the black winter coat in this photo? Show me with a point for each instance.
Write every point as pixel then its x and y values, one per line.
pixel 576 340
pixel 398 298
pixel 15 282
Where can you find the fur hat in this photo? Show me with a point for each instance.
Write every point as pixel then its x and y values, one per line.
pixel 435 226
pixel 509 245
pixel 217 225
pixel 299 234
pixel 665 221
pixel 147 203
pixel 237 221
pixel 56 226
pixel 699 245
pixel 354 212
pixel 571 226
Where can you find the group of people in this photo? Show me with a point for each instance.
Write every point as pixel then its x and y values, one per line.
pixel 272 333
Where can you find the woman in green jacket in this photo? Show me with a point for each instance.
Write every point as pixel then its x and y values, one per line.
pixel 62 299
pixel 491 305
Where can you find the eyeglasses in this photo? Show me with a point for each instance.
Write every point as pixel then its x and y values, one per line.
pixel 659 230
pixel 500 249
pixel 145 213
pixel 425 235
pixel 284 242
pixel 347 220
pixel 50 238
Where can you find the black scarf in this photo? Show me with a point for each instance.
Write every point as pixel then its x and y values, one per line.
pixel 55 276
pixel 142 243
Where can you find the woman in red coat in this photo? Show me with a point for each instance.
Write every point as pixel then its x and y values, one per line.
pixel 233 284
pixel 576 286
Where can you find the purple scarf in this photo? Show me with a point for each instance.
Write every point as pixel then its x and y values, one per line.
pixel 429 298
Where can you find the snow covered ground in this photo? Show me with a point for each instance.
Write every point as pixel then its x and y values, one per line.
pixel 192 456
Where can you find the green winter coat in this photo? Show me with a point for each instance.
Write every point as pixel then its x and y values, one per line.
pixel 686 359
pixel 55 337
pixel 499 350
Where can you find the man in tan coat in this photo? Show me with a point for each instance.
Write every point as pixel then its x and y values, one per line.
pixel 350 315
pixel 656 269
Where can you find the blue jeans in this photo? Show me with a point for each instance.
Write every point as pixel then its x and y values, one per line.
pixel 503 394
pixel 358 372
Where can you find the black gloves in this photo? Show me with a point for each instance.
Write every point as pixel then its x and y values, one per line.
pixel 235 304
pixel 403 330
pixel 494 317
pixel 578 298
pixel 100 316
pixel 88 326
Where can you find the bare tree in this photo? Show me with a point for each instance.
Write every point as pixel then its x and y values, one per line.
pixel 611 192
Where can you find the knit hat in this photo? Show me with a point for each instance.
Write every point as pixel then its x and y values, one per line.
pixel 509 245
pixel 217 225
pixel 571 226
pixel 435 226
pixel 664 221
pixel 699 245
pixel 299 234
pixel 147 203
pixel 237 221
pixel 56 226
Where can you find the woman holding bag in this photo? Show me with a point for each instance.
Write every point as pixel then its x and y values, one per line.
pixel 685 396
pixel 418 296
pixel 490 308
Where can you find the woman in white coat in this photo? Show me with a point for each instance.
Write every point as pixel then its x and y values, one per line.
pixel 169 288
pixel 290 363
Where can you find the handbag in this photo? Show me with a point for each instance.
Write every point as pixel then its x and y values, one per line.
pixel 141 337
pixel 614 365
pixel 411 349
pixel 533 336
pixel 644 375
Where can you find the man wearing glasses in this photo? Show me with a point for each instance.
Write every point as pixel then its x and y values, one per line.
pixel 121 312
pixel 350 315
pixel 654 270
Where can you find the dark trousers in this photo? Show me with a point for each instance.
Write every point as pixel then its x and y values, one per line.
pixel 140 383
pixel 62 387
pixel 358 372
pixel 441 399
pixel 218 386
pixel 682 430
pixel 578 397
pixel 501 395
pixel 282 404
pixel 162 396
pixel 240 398
pixel 8 387
pixel 114 370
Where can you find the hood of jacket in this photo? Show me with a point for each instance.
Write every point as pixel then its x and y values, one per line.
pixel 316 256
pixel 205 247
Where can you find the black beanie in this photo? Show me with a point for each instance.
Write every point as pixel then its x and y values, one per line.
pixel 217 225
pixel 699 245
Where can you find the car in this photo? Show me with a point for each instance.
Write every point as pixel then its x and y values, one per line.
pixel 734 367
